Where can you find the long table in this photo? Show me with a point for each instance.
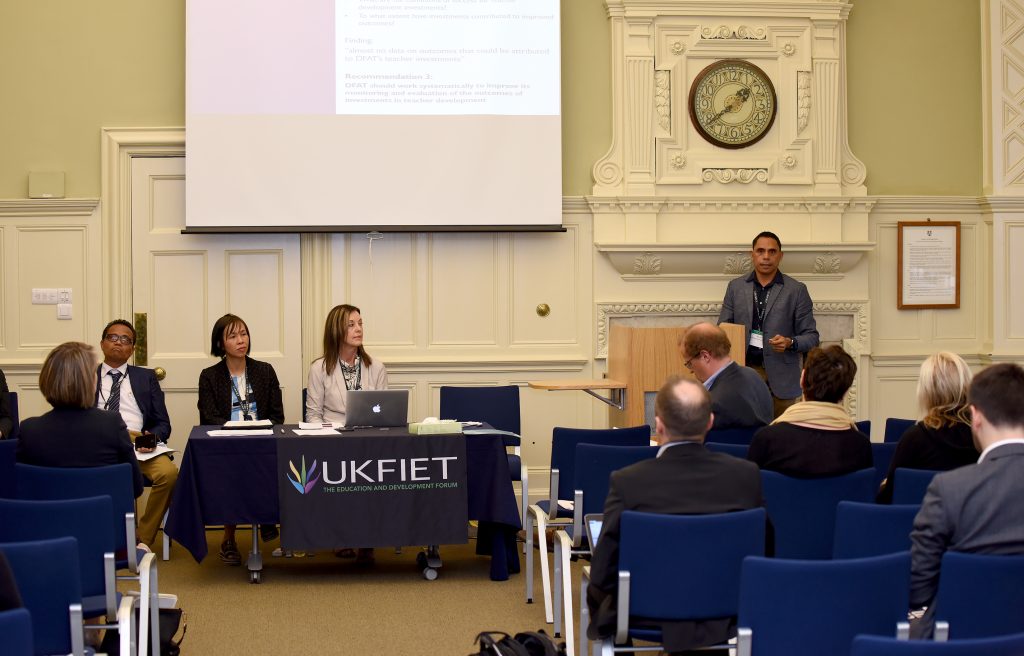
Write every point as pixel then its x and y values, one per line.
pixel 233 480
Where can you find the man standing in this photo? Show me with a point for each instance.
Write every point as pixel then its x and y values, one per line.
pixel 976 508
pixel 684 479
pixel 779 319
pixel 739 398
pixel 141 406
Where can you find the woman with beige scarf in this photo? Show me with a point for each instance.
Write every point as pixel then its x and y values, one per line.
pixel 816 437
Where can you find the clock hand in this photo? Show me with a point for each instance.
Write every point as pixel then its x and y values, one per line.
pixel 733 103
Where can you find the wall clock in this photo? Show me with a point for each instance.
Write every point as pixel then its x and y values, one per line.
pixel 732 103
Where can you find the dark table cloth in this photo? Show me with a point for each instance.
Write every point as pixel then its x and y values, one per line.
pixel 233 480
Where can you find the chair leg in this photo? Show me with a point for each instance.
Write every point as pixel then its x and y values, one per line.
pixel 545 571
pixel 557 596
pixel 566 585
pixel 528 545
pixel 525 485
pixel 584 617
pixel 167 540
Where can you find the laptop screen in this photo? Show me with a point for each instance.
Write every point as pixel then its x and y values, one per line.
pixel 593 525
pixel 376 408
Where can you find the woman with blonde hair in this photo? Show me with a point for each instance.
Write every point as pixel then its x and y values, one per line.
pixel 75 433
pixel 941 440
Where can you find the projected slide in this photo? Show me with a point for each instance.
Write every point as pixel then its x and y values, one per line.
pixel 372 114
pixel 447 57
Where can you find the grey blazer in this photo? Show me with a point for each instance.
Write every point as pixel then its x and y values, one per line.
pixel 326 395
pixel 974 509
pixel 790 314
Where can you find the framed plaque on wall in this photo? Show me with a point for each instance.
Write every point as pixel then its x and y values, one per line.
pixel 928 267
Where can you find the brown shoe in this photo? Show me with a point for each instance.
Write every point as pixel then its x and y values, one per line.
pixel 229 554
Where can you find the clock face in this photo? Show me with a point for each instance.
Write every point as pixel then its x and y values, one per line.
pixel 732 103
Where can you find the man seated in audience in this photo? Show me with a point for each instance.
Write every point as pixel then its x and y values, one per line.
pixel 976 508
pixel 141 406
pixel 816 437
pixel 684 479
pixel 739 397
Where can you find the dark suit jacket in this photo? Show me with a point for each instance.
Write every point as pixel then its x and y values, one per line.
pixel 78 437
pixel 790 314
pixel 149 396
pixel 686 480
pixel 6 419
pixel 215 393
pixel 938 449
pixel 740 399
pixel 974 509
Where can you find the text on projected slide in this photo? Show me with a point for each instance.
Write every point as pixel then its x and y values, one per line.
pixel 446 57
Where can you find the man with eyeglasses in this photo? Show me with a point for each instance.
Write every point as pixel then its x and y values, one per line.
pixel 739 398
pixel 141 406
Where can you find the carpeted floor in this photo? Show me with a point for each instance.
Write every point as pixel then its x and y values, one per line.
pixel 328 605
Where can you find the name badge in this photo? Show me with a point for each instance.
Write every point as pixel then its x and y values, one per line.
pixel 757 339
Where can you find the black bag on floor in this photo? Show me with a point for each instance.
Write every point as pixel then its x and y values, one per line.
pixel 172 632
pixel 527 643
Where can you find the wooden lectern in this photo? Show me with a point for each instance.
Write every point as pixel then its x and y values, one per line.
pixel 643 358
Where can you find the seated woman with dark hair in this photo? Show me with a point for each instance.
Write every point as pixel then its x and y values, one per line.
pixel 816 437
pixel 74 433
pixel 942 440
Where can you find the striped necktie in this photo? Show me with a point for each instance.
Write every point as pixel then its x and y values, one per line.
pixel 114 400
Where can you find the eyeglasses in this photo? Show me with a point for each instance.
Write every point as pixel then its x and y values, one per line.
pixel 114 339
pixel 687 364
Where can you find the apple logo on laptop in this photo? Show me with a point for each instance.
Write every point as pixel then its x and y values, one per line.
pixel 376 408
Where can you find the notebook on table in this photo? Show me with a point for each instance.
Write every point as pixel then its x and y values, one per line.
pixel 376 408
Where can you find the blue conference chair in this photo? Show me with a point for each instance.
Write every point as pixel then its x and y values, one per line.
pixel 735 450
pixel 803 510
pixel 869 529
pixel 979 596
pixel 115 481
pixel 864 426
pixel 680 567
pixel 16 629
pixel 732 435
pixel 813 607
pixel 88 520
pixel 909 485
pixel 881 457
pixel 48 579
pixel 894 428
pixel 499 407
pixel 593 469
pixel 8 449
pixel 550 511
pixel 1011 645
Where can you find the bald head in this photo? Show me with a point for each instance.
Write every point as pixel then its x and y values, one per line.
pixel 705 350
pixel 682 411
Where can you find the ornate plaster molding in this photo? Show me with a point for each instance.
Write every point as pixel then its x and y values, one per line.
pixel 48 207
pixel 739 32
pixel 727 176
pixel 803 100
pixel 663 99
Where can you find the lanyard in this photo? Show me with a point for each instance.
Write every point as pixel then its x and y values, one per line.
pixel 762 307
pixel 243 404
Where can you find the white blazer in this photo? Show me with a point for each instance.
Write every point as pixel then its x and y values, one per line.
pixel 325 395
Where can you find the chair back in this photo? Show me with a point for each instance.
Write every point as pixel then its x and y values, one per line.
pixel 595 464
pixel 46 572
pixel 8 456
pixel 805 607
pixel 16 629
pixel 909 485
pixel 14 416
pixel 565 440
pixel 864 426
pixel 1011 645
pixel 497 406
pixel 869 529
pixel 735 450
pixel 894 428
pixel 687 566
pixel 980 595
pixel 50 483
pixel 732 435
pixel 803 510
pixel 881 456
pixel 89 520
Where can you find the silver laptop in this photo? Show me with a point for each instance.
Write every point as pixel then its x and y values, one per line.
pixel 376 408
pixel 593 524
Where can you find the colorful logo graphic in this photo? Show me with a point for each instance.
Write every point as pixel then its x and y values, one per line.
pixel 302 482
